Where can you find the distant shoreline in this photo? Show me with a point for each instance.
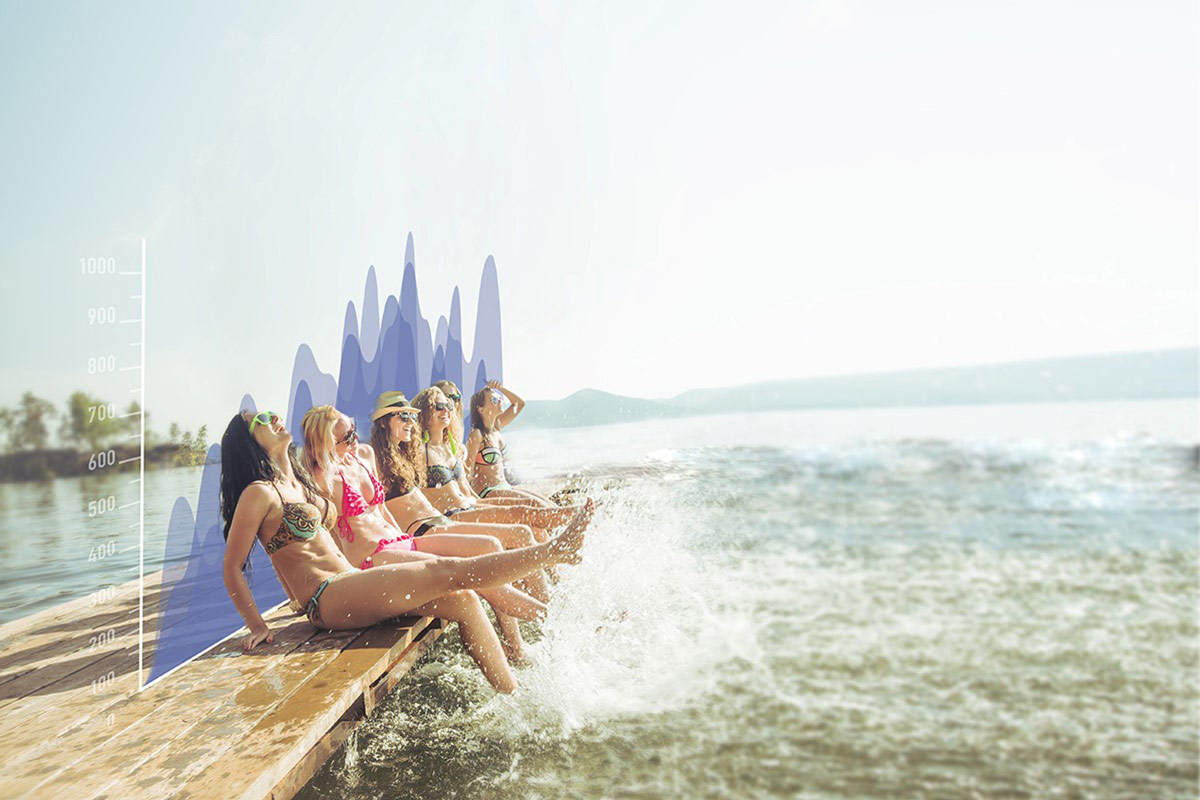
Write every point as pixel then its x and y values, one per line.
pixel 43 465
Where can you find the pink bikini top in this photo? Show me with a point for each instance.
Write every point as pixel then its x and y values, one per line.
pixel 353 503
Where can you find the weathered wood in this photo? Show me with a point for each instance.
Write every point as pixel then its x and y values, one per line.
pixel 277 744
pixel 59 738
pixel 310 764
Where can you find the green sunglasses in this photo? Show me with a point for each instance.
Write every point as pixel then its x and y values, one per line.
pixel 263 418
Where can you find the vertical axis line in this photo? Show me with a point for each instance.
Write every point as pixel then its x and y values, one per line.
pixel 142 490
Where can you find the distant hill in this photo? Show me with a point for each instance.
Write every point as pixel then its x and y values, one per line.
pixel 1142 375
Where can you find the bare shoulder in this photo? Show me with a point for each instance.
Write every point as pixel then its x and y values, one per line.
pixel 257 495
pixel 365 451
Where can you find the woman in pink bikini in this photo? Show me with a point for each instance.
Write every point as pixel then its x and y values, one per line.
pixel 268 496
pixel 368 533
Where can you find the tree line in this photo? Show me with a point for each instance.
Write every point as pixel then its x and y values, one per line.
pixel 88 423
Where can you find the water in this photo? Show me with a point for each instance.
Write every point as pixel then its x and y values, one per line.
pixel 785 606
pixel 964 602
pixel 46 535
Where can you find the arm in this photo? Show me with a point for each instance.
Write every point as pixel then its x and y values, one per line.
pixel 474 443
pixel 252 508
pixel 515 407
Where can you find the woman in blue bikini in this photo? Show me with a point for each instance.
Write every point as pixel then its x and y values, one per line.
pixel 268 496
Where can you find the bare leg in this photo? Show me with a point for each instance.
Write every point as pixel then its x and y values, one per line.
pixel 360 599
pixel 525 515
pixel 511 536
pixel 477 634
pixel 507 601
pixel 522 494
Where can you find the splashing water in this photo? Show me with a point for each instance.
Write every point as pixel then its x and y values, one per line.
pixel 896 619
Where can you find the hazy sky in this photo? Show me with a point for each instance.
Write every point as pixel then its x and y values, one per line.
pixel 676 195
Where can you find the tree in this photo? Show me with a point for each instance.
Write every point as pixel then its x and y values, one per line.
pixel 86 421
pixel 8 429
pixel 173 433
pixel 32 414
pixel 202 440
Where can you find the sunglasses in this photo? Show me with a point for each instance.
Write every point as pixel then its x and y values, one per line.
pixel 405 416
pixel 351 435
pixel 263 418
pixel 440 406
pixel 494 400
pixel 454 398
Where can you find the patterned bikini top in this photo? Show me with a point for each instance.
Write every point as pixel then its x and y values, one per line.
pixel 354 504
pixel 491 455
pixel 300 522
pixel 437 475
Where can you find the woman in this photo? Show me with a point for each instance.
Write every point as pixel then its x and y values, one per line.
pixel 450 389
pixel 486 448
pixel 446 483
pixel 267 495
pixel 395 440
pixel 367 532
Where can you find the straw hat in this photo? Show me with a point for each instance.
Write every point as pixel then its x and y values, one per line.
pixel 390 402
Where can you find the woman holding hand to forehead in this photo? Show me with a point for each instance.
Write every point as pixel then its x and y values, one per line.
pixel 267 495
pixel 486 447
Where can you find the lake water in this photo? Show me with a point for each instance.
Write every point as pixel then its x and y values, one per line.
pixel 961 602
pixel 968 602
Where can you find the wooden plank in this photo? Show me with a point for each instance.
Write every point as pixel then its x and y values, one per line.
pixel 278 741
pixel 64 632
pixel 200 737
pixel 166 712
pixel 311 763
pixel 81 719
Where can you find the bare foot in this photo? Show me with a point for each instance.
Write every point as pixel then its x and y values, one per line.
pixel 515 655
pixel 566 545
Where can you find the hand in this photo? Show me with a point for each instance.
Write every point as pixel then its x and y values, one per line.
pixel 493 385
pixel 257 636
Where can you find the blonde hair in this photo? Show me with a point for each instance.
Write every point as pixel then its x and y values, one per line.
pixel 319 444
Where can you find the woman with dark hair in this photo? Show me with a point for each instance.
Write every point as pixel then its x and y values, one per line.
pixel 446 483
pixel 266 495
pixel 486 448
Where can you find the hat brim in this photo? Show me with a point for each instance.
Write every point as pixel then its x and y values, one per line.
pixel 383 412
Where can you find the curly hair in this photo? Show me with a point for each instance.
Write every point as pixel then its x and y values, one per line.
pixel 399 466
pixel 423 402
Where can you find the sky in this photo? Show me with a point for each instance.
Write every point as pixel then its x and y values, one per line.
pixel 676 195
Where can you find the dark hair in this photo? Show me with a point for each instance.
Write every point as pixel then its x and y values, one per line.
pixel 243 461
pixel 398 465
pixel 477 400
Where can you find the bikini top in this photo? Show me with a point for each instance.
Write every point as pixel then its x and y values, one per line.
pixel 300 522
pixel 438 475
pixel 491 455
pixel 353 503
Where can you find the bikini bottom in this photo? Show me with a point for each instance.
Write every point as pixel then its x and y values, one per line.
pixel 504 485
pixel 402 542
pixel 424 525
pixel 313 609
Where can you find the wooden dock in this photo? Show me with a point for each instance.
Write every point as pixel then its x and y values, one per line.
pixel 226 724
